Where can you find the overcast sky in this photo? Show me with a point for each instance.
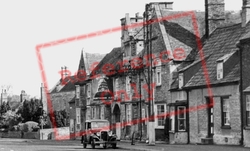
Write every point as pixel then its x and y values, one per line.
pixel 26 23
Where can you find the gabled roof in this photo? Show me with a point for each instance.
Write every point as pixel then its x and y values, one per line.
pixel 221 43
pixel 111 58
pixel 69 86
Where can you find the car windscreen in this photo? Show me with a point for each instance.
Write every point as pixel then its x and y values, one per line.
pixel 99 124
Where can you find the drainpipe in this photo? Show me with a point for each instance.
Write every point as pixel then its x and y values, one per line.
pixel 206 19
pixel 241 94
pixel 188 129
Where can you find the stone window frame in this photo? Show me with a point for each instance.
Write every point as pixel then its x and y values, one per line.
pixel 159 113
pixel 128 114
pixel 225 111
pixel 78 118
pixel 172 119
pixel 179 118
pixel 92 112
pixel 128 86
pixel 158 76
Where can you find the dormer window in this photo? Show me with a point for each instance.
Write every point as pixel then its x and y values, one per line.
pixel 181 80
pixel 223 61
pixel 219 70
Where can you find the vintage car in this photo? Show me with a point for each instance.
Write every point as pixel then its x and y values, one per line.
pixel 98 133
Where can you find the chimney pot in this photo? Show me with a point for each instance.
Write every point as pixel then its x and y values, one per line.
pixel 214 15
pixel 245 16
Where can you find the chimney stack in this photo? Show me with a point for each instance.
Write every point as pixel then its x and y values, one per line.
pixel 166 5
pixel 214 15
pixel 62 73
pixel 245 12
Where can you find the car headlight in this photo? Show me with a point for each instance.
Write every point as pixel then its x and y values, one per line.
pixel 98 133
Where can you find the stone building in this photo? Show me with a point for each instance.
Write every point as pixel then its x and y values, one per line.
pixel 244 46
pixel 211 85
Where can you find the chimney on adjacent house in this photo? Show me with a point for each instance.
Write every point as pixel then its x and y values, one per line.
pixel 245 14
pixel 65 72
pixel 214 15
pixel 166 5
pixel 4 96
pixel 62 73
pixel 23 96
pixel 44 98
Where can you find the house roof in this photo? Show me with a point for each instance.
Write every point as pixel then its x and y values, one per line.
pixel 69 86
pixel 111 58
pixel 180 34
pixel 222 42
pixel 72 100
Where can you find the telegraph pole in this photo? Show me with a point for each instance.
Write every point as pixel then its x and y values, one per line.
pixel 151 120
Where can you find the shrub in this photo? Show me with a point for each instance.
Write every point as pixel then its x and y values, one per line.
pixel 25 128
pixel 35 128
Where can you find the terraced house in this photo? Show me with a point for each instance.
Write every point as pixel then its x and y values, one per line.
pixel 211 86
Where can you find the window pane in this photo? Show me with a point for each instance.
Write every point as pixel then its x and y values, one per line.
pixel 225 112
pixel 181 124
pixel 181 113
pixel 248 118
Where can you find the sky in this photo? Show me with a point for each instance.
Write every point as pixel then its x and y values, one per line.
pixel 27 23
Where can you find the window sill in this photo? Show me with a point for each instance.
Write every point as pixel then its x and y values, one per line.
pixel 158 85
pixel 171 132
pixel 159 127
pixel 247 128
pixel 226 127
pixel 181 131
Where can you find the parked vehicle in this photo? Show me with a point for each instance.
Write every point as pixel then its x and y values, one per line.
pixel 98 133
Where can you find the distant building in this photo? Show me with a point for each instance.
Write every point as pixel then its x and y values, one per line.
pixel 4 96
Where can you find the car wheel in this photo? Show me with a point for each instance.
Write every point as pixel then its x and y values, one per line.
pixel 114 146
pixel 105 146
pixel 93 143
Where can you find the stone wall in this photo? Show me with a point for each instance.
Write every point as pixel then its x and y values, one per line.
pixel 61 100
pixel 63 133
pixel 198 117
pixel 246 138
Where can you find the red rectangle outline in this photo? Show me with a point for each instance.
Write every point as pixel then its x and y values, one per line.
pixel 103 32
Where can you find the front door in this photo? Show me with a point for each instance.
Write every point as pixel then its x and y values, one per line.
pixel 117 114
pixel 210 118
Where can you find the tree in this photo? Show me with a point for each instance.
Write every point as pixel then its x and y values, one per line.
pixel 4 107
pixel 60 118
pixel 31 110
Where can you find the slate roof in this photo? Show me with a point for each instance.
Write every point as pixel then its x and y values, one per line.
pixel 221 42
pixel 111 58
pixel 72 100
pixel 69 86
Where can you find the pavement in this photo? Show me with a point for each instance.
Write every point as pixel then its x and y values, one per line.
pixel 160 146
pixel 121 145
